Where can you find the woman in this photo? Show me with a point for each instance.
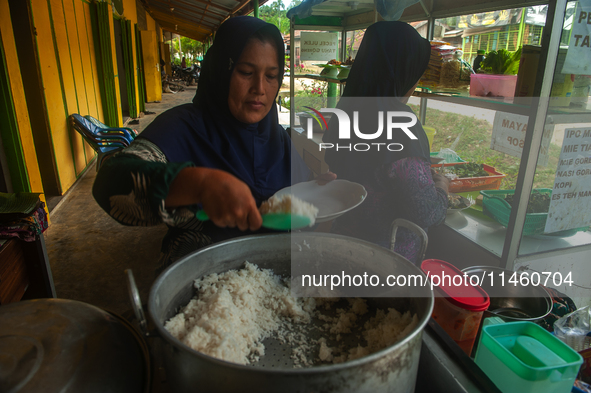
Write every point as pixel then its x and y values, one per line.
pixel 391 59
pixel 225 152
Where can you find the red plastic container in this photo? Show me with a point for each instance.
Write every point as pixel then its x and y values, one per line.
pixel 458 305
pixel 467 184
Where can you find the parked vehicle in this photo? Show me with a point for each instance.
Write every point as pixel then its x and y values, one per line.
pixel 191 74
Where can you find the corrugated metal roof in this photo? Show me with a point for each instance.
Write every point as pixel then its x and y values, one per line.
pixel 196 19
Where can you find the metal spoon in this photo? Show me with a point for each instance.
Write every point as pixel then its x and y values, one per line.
pixel 278 221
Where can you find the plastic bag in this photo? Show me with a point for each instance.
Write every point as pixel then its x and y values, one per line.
pixel 449 156
pixel 572 328
pixel 392 9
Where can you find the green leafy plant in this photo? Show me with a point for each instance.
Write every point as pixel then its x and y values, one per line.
pixel 538 202
pixel 501 62
pixel 469 169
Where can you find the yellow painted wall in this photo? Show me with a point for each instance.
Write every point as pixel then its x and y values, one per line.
pixel 150 22
pixel 79 55
pixel 94 76
pixel 114 58
pixel 69 74
pixel 70 78
pixel 61 29
pixel 165 48
pixel 20 103
pixel 88 58
pixel 130 13
pixel 55 106
pixel 151 66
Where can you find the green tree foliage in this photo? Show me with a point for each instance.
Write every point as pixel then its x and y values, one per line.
pixel 190 49
pixel 276 14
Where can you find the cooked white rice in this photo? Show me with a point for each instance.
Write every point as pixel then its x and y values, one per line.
pixel 235 311
pixel 287 203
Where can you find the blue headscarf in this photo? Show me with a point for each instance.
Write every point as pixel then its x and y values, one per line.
pixel 392 58
pixel 206 133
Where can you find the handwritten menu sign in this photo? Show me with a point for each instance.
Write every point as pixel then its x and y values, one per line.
pixel 508 136
pixel 570 206
pixel 578 57
pixel 319 46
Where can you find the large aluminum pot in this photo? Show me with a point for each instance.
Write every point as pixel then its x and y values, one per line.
pixel 393 369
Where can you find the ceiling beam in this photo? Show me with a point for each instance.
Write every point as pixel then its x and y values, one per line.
pixel 221 7
pixel 186 33
pixel 193 10
pixel 178 20
pixel 163 18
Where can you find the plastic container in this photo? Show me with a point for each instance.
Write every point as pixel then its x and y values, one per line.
pixel 486 85
pixel 562 85
pixel 495 206
pixel 523 357
pixel 528 69
pixel 562 89
pixel 581 89
pixel 430 131
pixel 330 71
pixel 458 309
pixel 343 72
pixel 468 184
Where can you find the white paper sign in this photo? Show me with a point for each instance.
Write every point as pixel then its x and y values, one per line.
pixel 578 57
pixel 508 136
pixel 570 206
pixel 319 46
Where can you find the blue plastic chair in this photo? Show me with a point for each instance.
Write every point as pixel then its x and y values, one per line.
pixel 104 141
pixel 133 133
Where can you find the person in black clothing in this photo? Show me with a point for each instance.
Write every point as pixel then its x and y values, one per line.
pixel 477 60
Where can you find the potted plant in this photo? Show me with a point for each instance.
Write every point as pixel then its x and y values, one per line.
pixel 497 75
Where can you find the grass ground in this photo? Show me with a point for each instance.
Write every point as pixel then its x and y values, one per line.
pixel 473 145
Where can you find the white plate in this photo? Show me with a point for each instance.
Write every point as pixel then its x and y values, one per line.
pixel 465 200
pixel 332 199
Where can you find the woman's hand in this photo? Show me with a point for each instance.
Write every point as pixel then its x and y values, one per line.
pixel 226 199
pixel 440 181
pixel 326 177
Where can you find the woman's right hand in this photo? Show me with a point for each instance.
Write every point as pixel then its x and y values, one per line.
pixel 226 199
pixel 440 180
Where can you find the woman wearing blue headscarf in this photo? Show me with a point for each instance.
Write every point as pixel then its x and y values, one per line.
pixel 225 152
pixel 391 59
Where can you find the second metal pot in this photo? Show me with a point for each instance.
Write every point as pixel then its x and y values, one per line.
pixel 512 302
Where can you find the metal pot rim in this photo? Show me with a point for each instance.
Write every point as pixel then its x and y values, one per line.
pixel 163 333
pixel 546 296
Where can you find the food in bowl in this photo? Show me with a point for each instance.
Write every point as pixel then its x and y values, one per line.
pixel 235 311
pixel 287 203
pixel 457 202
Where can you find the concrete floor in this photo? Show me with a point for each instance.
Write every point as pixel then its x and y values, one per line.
pixel 89 251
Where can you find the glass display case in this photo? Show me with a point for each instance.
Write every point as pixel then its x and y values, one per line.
pixel 538 221
pixel 543 137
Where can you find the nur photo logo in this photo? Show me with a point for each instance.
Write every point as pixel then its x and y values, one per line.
pixel 395 125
